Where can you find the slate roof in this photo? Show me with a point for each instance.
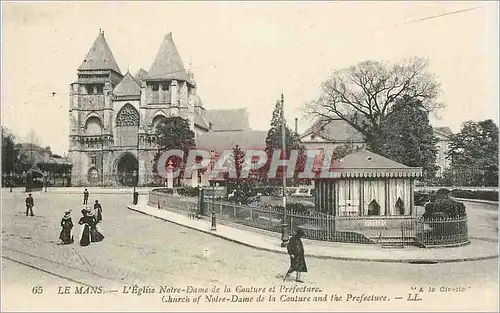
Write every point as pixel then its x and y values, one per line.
pixel 334 130
pixel 444 130
pixel 127 87
pixel 140 75
pixel 200 121
pixel 364 163
pixel 167 64
pixel 228 119
pixel 28 147
pixel 39 155
pixel 100 57
pixel 220 141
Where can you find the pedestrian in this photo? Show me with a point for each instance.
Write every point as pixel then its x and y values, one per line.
pixel 296 252
pixel 85 221
pixel 30 203
pixel 136 197
pixel 95 234
pixel 98 211
pixel 67 225
pixel 85 196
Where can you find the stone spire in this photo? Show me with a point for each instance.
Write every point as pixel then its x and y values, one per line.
pixel 190 74
pixel 168 64
pixel 100 56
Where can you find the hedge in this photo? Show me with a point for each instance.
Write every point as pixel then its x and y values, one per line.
pixel 421 198
pixel 491 195
pixel 188 191
pixel 444 208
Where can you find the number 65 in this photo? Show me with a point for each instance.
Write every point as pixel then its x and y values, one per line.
pixel 37 290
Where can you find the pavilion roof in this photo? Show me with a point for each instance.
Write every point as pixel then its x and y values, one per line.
pixel 364 163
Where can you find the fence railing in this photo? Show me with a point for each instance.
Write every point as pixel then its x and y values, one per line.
pixel 398 231
pixel 442 231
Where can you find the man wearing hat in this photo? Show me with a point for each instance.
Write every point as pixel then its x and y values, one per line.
pixel 30 203
pixel 98 211
pixel 67 226
pixel 85 196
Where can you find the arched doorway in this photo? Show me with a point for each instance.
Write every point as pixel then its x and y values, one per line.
pixel 125 168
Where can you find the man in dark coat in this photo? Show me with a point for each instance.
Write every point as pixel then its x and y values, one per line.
pixel 30 203
pixel 136 197
pixel 296 252
pixel 98 211
pixel 85 196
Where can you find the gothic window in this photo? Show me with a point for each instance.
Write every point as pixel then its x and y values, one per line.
pixel 93 126
pixel 157 120
pixel 127 127
pixel 127 116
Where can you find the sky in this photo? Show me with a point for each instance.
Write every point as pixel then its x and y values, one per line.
pixel 244 54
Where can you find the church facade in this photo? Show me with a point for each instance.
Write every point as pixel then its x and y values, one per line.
pixel 113 116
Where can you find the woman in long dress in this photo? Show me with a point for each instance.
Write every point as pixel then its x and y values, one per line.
pixel 85 221
pixel 296 252
pixel 95 235
pixel 67 225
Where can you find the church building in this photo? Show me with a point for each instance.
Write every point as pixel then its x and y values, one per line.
pixel 113 116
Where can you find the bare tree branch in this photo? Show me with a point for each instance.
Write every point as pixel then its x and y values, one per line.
pixel 364 95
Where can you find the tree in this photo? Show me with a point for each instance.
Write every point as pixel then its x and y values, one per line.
pixel 408 137
pixel 174 133
pixel 9 153
pixel 365 95
pixel 274 142
pixel 474 154
pixel 242 186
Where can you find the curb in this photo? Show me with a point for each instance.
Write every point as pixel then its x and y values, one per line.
pixel 433 261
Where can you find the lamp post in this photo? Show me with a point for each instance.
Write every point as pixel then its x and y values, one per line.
pixel 45 174
pixel 134 175
pixel 10 182
pixel 284 222
pixel 213 226
pixel 25 176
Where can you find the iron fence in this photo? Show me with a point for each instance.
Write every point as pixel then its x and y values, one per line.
pixel 442 231
pixel 393 231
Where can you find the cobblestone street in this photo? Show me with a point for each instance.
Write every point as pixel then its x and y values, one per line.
pixel 139 249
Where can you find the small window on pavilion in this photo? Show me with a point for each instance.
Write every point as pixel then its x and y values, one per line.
pixel 100 89
pixel 373 208
pixel 89 89
pixel 93 160
pixel 165 86
pixel 155 87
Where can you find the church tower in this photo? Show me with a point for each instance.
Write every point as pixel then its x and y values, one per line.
pixel 165 93
pixel 91 114
pixel 113 117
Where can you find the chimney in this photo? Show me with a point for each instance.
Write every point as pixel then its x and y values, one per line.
pixel 297 126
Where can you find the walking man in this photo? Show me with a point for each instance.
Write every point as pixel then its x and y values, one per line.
pixel 136 197
pixel 30 203
pixel 85 196
pixel 98 211
pixel 296 252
